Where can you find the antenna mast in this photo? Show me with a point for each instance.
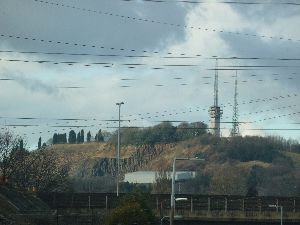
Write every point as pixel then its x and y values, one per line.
pixel 216 85
pixel 235 125
pixel 215 111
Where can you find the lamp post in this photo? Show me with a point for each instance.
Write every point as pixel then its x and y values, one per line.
pixel 118 148
pixel 173 186
pixel 281 211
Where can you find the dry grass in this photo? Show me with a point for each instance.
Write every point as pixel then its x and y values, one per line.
pixel 296 159
pixel 88 153
pixel 91 150
pixel 78 156
pixel 164 161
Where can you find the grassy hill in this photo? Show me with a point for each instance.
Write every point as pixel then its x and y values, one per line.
pixel 226 169
pixel 86 154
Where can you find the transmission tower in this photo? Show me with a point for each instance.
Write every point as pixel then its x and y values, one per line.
pixel 215 111
pixel 235 124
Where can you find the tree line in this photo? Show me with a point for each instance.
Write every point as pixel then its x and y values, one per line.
pixel 164 132
pixel 74 138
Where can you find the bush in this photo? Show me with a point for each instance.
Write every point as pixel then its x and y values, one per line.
pixel 249 149
pixel 132 209
pixel 162 133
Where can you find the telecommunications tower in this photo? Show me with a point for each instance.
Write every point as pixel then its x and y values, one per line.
pixel 235 124
pixel 215 111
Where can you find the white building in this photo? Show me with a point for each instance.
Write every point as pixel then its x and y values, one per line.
pixel 148 177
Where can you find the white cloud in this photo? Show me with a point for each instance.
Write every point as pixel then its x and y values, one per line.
pixel 102 85
pixel 249 129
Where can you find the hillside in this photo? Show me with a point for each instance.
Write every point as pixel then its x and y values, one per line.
pixel 90 150
pixel 85 155
pixel 268 173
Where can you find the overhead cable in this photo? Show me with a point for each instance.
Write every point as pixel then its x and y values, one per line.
pixel 169 55
pixel 137 19
pixel 218 2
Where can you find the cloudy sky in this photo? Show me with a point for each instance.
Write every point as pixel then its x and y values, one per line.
pixel 75 59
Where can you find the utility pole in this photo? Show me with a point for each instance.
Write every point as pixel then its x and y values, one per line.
pixel 172 212
pixel 281 211
pixel 118 148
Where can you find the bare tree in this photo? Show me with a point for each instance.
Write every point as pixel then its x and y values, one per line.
pixel 162 182
pixel 39 170
pixel 9 144
pixel 45 172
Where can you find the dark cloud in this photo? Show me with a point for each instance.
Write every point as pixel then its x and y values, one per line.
pixel 178 93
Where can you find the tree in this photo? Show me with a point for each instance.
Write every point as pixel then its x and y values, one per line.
pixel 252 183
pixel 249 148
pixel 8 145
pixel 81 136
pixel 88 136
pixel 12 156
pixel 162 182
pixel 72 137
pixel 64 138
pixel 190 130
pixel 99 137
pixel 78 138
pixel 55 138
pixel 45 172
pixel 25 170
pixel 21 147
pixel 59 138
pixel 38 170
pixel 132 209
pixel 40 143
pixel 228 180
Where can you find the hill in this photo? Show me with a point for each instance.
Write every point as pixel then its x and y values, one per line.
pixel 82 157
pixel 229 168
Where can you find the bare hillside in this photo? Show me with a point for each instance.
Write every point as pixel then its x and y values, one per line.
pixel 82 158
pixel 218 174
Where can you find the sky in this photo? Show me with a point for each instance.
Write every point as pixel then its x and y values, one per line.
pixel 76 59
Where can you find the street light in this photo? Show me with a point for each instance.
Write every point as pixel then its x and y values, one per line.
pixel 281 211
pixel 173 186
pixel 118 150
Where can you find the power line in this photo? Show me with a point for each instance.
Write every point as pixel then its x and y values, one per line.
pixel 217 2
pixel 140 127
pixel 70 126
pixel 104 64
pixel 136 19
pixel 134 65
pixel 265 111
pixel 84 45
pixel 129 120
pixel 170 55
pixel 276 117
pixel 174 113
pixel 198 108
pixel 223 128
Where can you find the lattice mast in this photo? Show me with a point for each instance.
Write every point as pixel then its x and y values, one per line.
pixel 215 111
pixel 235 125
